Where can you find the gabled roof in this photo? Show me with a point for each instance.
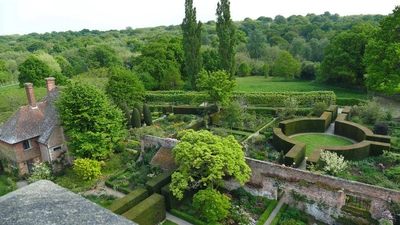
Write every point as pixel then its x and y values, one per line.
pixel 30 122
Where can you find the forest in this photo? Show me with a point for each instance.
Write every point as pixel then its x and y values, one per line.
pixel 328 48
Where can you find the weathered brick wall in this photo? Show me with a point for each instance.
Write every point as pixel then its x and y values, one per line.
pixel 148 141
pixel 263 171
pixel 29 154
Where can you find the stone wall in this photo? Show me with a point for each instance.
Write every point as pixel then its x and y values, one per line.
pixel 148 141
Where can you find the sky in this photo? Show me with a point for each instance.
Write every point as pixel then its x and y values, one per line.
pixel 41 16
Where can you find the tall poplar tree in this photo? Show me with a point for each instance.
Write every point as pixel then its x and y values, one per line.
pixel 191 43
pixel 226 32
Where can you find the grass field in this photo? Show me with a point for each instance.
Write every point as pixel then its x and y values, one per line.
pixel 314 140
pixel 262 84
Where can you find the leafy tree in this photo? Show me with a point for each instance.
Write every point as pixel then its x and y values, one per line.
pixel 87 169
pixel 135 119
pixel 216 85
pixel 124 86
pixel 286 66
pixel 50 61
pixel 66 67
pixel 210 60
pixel 104 56
pixel 33 70
pixel 233 115
pixel 343 62
pixel 172 79
pixel 191 31
pixel 244 69
pixel 308 70
pixel 205 159
pixel 92 124
pixel 147 115
pixel 382 55
pixel 256 44
pixel 226 32
pixel 265 69
pixel 211 204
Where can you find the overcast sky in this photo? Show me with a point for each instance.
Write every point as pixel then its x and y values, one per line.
pixel 40 16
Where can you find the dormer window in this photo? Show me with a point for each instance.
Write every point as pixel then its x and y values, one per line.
pixel 27 145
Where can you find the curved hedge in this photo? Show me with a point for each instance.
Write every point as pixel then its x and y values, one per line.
pixel 295 151
pixel 302 125
pixel 352 130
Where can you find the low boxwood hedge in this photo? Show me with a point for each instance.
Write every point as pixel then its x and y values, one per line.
pixel 187 217
pixel 267 212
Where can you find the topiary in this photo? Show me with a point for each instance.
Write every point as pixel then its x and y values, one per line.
pixel 87 169
pixel 137 106
pixel 135 119
pixel 147 115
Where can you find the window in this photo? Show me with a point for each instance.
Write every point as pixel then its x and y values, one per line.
pixel 57 148
pixel 27 145
pixel 13 164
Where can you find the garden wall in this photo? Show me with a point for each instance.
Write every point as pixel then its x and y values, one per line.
pixel 149 141
pixel 314 186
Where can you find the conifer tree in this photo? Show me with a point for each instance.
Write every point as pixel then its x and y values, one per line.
pixel 147 115
pixel 135 119
pixel 226 32
pixel 191 30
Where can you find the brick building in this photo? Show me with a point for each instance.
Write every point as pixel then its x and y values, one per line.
pixel 33 133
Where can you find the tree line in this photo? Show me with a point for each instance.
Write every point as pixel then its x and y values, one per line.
pixel 310 47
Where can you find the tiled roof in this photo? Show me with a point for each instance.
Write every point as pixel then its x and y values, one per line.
pixel 30 122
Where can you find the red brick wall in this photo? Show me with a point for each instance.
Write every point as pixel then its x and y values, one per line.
pixel 29 154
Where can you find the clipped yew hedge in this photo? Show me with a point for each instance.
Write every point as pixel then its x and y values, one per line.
pixel 295 151
pixel 188 110
pixel 171 202
pixel 148 212
pixel 124 204
pixel 350 101
pixel 154 185
pixel 352 130
pixel 302 125
pixel 271 99
pixel 281 142
pixel 334 110
pixel 296 155
pixel 264 217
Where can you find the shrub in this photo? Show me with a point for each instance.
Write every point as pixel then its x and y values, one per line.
pixel 119 147
pixel 356 119
pixel 267 212
pixel 211 204
pixel 171 117
pixel 244 70
pixel 147 115
pixel 334 164
pixel 381 128
pixel 87 169
pixel 371 112
pixel 186 118
pixel 187 217
pixel 289 110
pixel 135 119
pixel 319 108
pixel 41 171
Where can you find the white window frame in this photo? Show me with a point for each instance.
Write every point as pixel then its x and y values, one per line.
pixel 29 144
pixel 57 148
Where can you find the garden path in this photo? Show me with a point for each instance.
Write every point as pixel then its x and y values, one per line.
pixel 258 131
pixel 276 210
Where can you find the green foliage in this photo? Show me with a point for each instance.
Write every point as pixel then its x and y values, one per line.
pixel 7 185
pixel 187 217
pixel 233 115
pixel 293 216
pixel 124 86
pixel 286 66
pixel 191 32
pixel 211 204
pixel 256 44
pixel 382 55
pixel 381 128
pixel 267 212
pixel 102 200
pixel 226 32
pixel 104 56
pixel 244 69
pixel 33 70
pixel 371 112
pixel 205 159
pixel 92 124
pixel 135 119
pixel 41 171
pixel 333 164
pixel 216 85
pixel 147 115
pixel 266 70
pixel 290 109
pixel 87 169
pixel 319 108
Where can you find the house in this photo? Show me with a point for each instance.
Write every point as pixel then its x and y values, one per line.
pixel 33 133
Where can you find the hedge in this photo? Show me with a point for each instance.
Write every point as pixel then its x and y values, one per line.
pixel 327 117
pixel 350 101
pixel 379 138
pixel 188 110
pixel 315 159
pixel 282 142
pixel 124 204
pixel 110 184
pixel 356 151
pixel 171 202
pixel 148 212
pixel 154 185
pixel 187 217
pixel 271 99
pixel 377 148
pixel 302 125
pixel 296 155
pixel 346 110
pixel 279 214
pixel 334 110
pixel 267 212
pixel 352 130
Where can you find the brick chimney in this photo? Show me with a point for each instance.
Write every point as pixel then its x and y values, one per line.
pixel 30 95
pixel 50 84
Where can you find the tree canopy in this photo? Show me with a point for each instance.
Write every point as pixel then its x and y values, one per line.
pixel 216 85
pixel 205 160
pixel 286 66
pixel 91 123
pixel 33 70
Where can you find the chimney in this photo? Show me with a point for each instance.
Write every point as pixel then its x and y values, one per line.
pixel 50 84
pixel 30 95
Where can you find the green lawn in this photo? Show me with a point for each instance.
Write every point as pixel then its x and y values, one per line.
pixel 314 140
pixel 262 84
